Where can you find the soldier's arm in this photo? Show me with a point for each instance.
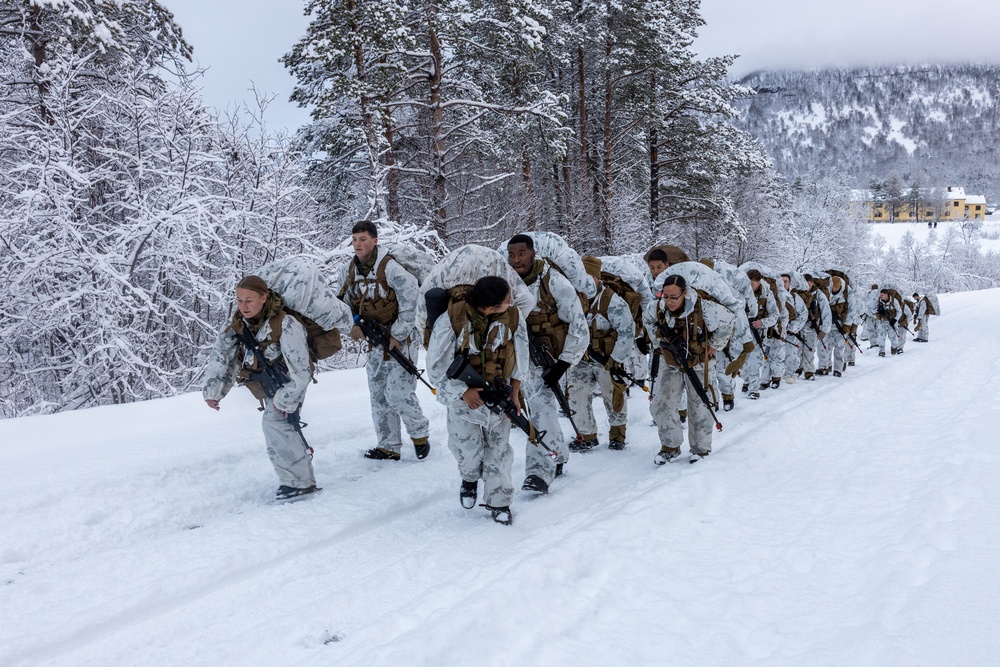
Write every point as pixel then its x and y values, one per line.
pixel 621 320
pixel 406 288
pixel 221 368
pixel 570 310
pixel 295 351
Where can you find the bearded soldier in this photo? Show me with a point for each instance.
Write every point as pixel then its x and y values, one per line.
pixel 381 291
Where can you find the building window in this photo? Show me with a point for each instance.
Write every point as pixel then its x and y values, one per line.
pixel 979 208
pixel 878 214
pixel 929 214
pixel 955 204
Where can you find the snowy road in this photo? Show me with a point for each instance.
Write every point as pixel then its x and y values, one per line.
pixel 847 521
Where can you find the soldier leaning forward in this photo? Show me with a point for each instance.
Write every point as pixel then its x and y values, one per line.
pixel 282 339
pixel 484 329
pixel 690 330
pixel 380 290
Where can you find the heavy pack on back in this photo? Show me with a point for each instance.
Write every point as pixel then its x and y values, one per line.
pixel 933 305
pixel 417 262
pixel 464 266
pixel 311 300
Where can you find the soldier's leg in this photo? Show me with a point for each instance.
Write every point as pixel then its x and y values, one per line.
pixel 700 422
pixel 837 344
pixel 498 460
pixel 385 419
pixel 543 411
pixel 793 357
pixel 288 454
pixel 901 332
pixel 665 406
pixel 824 351
pixel 776 361
pixel 616 405
pixel 401 396
pixel 850 351
pixel 809 356
pixel 467 442
pixel 581 397
pixel 751 369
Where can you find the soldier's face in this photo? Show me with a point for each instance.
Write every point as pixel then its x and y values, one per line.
pixel 788 283
pixel 521 258
pixel 657 267
pixel 674 298
pixel 755 284
pixel 249 302
pixel 883 298
pixel 363 244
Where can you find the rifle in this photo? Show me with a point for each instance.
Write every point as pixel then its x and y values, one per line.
pixel 541 357
pixel 620 375
pixel 760 341
pixel 801 340
pixel 682 361
pixel 272 377
pixel 654 370
pixel 496 396
pixel 848 336
pixel 378 335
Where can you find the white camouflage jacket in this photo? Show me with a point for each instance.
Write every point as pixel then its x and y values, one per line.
pixel 619 318
pixel 569 310
pixel 224 363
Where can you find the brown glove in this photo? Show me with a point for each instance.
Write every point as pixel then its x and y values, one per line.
pixel 736 364
pixel 357 333
pixel 820 335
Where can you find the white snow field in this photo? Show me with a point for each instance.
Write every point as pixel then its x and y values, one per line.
pixel 988 237
pixel 851 521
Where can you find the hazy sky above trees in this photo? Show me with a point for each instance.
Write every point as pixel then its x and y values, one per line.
pixel 241 40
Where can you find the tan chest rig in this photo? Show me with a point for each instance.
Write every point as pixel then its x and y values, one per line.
pixel 250 364
pixel 383 308
pixel 689 333
pixel 602 342
pixel 489 362
pixel 839 310
pixel 543 322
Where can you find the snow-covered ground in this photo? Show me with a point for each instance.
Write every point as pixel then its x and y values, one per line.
pixel 989 235
pixel 847 521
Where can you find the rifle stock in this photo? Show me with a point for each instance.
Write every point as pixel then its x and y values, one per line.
pixel 378 336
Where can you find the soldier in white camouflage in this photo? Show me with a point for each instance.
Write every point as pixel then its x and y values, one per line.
pixel 817 327
pixel 844 315
pixel 283 340
pixel 868 330
pixel 921 331
pixel 887 311
pixel 798 315
pixel 755 372
pixel 557 338
pixel 381 291
pixel 612 336
pixel 485 329
pixel 690 331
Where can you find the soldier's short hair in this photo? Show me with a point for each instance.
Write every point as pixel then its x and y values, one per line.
pixel 754 274
pixel 488 292
pixel 365 227
pixel 657 255
pixel 522 238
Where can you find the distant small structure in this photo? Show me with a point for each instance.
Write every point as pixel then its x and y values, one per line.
pixel 920 205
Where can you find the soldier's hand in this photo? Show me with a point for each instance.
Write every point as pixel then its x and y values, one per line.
pixel 515 394
pixel 357 333
pixel 472 398
pixel 393 344
pixel 757 324
pixel 820 335
pixel 212 403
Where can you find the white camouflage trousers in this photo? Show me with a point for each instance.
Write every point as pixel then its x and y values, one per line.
pixel 725 384
pixel 884 330
pixel 824 350
pixel 543 411
pixel 483 452
pixel 793 355
pixel 838 344
pixel 901 332
pixel 393 399
pixel 807 356
pixel 582 379
pixel 751 372
pixel 922 332
pixel 286 450
pixel 776 358
pixel 667 401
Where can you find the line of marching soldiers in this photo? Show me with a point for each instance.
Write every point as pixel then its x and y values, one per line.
pixel 527 336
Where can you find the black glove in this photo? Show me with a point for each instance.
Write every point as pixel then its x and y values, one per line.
pixel 643 345
pixel 554 373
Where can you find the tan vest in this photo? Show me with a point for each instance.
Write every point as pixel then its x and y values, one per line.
pixel 602 342
pixel 382 309
pixel 543 322
pixel 489 362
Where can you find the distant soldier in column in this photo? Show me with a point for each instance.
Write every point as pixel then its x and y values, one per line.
pixel 921 330
pixel 887 313
pixel 817 327
pixel 767 317
pixel 798 314
pixel 612 332
pixel 380 290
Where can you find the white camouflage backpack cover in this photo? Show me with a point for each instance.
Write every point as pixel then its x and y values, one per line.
pixel 777 286
pixel 417 262
pixel 465 266
pixel 933 305
pixel 310 298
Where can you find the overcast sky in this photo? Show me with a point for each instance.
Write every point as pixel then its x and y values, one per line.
pixel 241 40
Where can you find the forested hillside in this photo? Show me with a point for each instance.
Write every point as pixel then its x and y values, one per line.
pixel 932 124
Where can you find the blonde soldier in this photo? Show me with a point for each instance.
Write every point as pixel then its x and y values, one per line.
pixel 486 330
pixel 379 289
pixel 283 339
pixel 557 334
pixel 767 317
pixel 612 333
pixel 797 318
pixel 690 330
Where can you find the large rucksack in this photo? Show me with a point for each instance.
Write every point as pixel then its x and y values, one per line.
pixel 310 299
pixel 416 262
pixel 627 281
pixel 933 306
pixel 560 254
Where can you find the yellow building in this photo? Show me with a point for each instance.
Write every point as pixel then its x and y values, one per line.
pixel 951 204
